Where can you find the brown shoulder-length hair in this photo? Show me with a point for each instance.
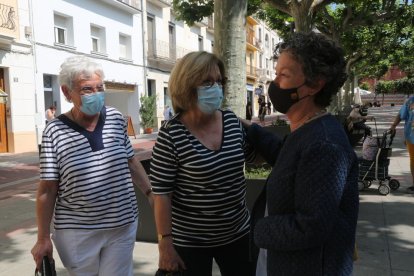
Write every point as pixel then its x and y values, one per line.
pixel 188 73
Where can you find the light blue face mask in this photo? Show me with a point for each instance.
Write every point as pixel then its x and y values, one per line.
pixel 92 103
pixel 210 98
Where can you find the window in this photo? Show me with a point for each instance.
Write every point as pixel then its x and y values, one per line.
pixel 95 44
pixel 266 41
pixel 171 40
pixel 60 35
pixel 151 35
pixel 124 46
pixel 98 39
pixel 261 61
pixel 63 29
pixel 200 43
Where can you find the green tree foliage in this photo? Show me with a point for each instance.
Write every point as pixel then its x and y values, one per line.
pixel 191 11
pixel 147 111
pixel 374 33
pixel 229 41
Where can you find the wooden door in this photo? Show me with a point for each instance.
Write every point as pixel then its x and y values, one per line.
pixel 3 129
pixel 3 118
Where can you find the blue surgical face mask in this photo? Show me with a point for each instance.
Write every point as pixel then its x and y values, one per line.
pixel 210 98
pixel 92 103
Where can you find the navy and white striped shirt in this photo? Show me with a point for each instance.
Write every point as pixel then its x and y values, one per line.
pixel 208 204
pixel 95 186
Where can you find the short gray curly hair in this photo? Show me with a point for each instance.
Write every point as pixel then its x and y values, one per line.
pixel 77 68
pixel 320 58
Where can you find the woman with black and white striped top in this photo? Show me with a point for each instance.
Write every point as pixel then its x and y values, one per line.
pixel 197 175
pixel 87 172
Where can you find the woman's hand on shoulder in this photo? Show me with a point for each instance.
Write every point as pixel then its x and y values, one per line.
pixel 245 123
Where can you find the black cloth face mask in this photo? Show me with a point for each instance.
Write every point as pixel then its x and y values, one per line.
pixel 283 99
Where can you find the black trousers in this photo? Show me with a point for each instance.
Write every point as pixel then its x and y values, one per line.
pixel 232 259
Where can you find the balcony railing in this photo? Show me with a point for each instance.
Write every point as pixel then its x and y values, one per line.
pixel 161 3
pixel 252 71
pixel 7 17
pixel 158 49
pixel 130 6
pixel 133 3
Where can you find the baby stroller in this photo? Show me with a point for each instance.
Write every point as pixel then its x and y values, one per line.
pixel 373 166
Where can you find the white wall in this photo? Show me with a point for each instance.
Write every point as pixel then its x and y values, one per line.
pixel 84 13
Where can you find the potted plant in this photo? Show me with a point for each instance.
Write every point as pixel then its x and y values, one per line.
pixel 280 127
pixel 147 111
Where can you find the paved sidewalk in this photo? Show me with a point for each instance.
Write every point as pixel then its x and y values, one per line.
pixel 385 234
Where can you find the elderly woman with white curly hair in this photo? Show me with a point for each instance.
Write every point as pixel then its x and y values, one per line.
pixel 87 172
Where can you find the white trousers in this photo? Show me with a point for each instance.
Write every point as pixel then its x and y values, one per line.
pixel 97 252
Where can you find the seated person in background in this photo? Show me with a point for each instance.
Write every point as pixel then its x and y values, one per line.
pixel 357 121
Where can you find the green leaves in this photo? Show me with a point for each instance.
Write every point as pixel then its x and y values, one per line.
pixel 191 11
pixel 147 111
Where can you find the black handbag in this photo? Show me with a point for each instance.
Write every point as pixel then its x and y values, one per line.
pixel 161 272
pixel 47 269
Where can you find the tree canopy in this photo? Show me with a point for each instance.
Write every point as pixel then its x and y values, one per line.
pixel 374 34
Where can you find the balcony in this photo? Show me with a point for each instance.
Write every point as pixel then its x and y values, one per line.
pixel 130 6
pixel 252 42
pixel 252 72
pixel 163 55
pixel 161 3
pixel 8 24
pixel 210 24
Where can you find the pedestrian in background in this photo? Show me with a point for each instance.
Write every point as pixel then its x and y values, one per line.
pixel 50 113
pixel 87 172
pixel 249 111
pixel 262 110
pixel 167 113
pixel 406 113
pixel 305 221
pixel 197 174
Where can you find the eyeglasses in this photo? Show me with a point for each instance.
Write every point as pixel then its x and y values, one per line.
pixel 87 90
pixel 210 83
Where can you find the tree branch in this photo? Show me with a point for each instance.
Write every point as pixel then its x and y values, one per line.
pixel 280 5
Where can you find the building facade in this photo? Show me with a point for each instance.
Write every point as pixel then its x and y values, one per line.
pixel 260 65
pixel 166 40
pixel 136 41
pixel 107 31
pixel 17 101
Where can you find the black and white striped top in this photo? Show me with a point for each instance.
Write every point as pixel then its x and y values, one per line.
pixel 95 186
pixel 208 205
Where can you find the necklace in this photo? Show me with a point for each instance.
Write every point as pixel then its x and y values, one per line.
pixel 316 115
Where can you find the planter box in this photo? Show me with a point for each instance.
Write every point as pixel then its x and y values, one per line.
pixel 146 224
pixel 280 131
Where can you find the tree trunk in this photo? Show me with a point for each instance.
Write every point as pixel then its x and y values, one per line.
pixel 230 46
pixel 302 14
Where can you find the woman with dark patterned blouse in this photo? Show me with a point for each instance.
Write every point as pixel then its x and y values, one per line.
pixel 305 221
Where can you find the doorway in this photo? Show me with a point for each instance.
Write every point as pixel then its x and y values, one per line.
pixel 3 117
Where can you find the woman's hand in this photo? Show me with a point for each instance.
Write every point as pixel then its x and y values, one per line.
pixel 246 123
pixel 169 259
pixel 42 248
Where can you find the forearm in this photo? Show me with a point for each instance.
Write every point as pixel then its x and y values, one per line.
pixel 45 204
pixel 397 120
pixel 139 176
pixel 162 212
pixel 265 143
